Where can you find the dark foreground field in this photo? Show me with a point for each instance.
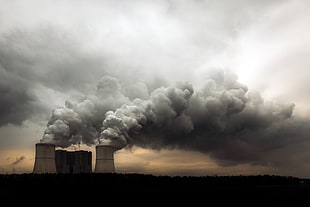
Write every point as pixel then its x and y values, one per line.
pixel 98 185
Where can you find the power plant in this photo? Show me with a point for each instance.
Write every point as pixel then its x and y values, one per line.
pixel 73 161
pixel 45 158
pixel 49 160
pixel 104 159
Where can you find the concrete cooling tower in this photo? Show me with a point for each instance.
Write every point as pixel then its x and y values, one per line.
pixel 105 159
pixel 45 158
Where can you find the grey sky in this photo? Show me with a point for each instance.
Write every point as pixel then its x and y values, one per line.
pixel 51 52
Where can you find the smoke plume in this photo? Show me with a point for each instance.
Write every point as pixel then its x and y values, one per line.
pixel 162 110
pixel 221 117
pixel 80 121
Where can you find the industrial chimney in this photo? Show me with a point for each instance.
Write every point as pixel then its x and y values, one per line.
pixel 105 158
pixel 45 158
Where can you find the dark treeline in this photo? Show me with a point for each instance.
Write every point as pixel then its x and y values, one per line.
pixel 141 182
pixel 84 186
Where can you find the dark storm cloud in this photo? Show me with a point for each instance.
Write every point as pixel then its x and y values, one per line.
pixel 18 79
pixel 58 50
pixel 35 61
pixel 17 102
pixel 49 55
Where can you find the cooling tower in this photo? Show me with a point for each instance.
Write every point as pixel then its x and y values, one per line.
pixel 104 159
pixel 45 158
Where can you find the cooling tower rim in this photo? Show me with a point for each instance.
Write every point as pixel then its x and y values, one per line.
pixel 105 145
pixel 45 143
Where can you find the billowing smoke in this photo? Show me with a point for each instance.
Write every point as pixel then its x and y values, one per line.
pixel 163 109
pixel 80 121
pixel 220 117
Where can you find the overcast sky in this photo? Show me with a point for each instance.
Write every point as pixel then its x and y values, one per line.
pixel 227 80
